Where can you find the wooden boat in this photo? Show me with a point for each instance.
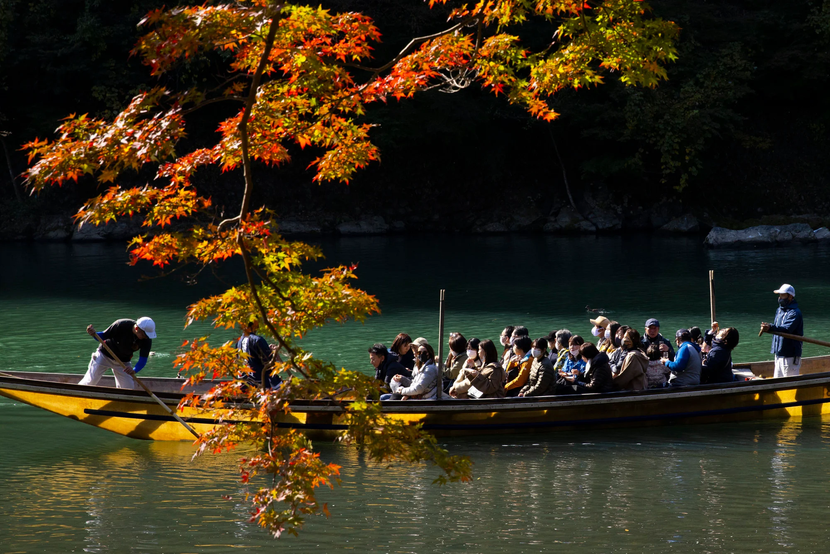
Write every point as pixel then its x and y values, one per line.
pixel 134 414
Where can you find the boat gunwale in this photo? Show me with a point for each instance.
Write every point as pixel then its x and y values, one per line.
pixel 515 404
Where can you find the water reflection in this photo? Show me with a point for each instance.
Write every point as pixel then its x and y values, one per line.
pixel 734 488
pixel 702 488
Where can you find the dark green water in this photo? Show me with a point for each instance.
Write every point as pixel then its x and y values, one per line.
pixel 759 487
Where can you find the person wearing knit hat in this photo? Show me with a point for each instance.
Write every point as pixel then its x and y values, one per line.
pixel 788 319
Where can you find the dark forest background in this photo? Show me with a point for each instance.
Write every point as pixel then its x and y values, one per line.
pixel 738 135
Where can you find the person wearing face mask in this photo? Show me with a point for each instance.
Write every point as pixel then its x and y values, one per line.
pixel 717 367
pixel 600 324
pixel 685 369
pixel 471 368
pixel 574 363
pixel 455 359
pixel 489 383
pixel 632 374
pixel 518 374
pixel 424 382
pixel 542 378
pixel 611 342
pixel 559 348
pixel 504 340
pixel 788 319
pixel 511 362
pixel 617 357
pixel 597 376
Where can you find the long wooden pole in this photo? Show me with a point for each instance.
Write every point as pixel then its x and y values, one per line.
pixel 440 346
pixel 146 389
pixel 712 318
pixel 797 337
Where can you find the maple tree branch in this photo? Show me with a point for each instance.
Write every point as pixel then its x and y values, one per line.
pixel 249 106
pixel 417 40
pixel 211 101
pixel 246 257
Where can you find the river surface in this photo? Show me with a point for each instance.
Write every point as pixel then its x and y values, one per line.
pixel 749 487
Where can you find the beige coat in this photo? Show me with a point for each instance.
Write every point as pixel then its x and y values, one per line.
pixel 632 375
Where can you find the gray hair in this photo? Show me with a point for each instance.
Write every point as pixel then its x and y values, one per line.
pixel 563 336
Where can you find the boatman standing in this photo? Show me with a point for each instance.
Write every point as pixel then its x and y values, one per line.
pixel 787 320
pixel 124 337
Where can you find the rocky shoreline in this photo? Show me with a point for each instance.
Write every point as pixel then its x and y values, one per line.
pixel 565 221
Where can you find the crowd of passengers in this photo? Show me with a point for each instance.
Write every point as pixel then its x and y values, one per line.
pixel 560 363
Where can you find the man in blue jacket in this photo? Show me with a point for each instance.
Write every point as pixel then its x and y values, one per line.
pixel 787 320
pixel 685 369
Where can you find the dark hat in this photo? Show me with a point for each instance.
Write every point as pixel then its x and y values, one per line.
pixel 681 333
pixel 379 349
pixel 652 321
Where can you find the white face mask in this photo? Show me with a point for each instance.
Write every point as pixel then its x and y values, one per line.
pixel 608 333
pixel 471 354
pixel 596 331
pixel 574 351
pixel 536 353
pixel 504 340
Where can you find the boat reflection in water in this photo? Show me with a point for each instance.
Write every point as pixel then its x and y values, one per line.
pixel 610 490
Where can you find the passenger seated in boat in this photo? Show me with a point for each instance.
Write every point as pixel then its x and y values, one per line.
pixel 600 324
pixel 616 358
pixel 402 348
pixel 597 376
pixel 652 336
pixel 424 382
pixel 559 340
pixel 259 356
pixel 542 378
pixel 657 374
pixel 489 383
pixel 520 369
pixel 455 359
pixel 685 369
pixel 504 340
pixel 632 374
pixel 574 363
pixel 708 337
pixel 611 342
pixel 471 367
pixel 509 361
pixel 697 338
pixel 717 367
pixel 385 363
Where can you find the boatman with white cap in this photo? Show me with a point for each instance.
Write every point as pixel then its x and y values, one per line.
pixel 787 320
pixel 124 337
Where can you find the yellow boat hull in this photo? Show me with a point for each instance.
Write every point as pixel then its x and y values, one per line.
pixel 133 413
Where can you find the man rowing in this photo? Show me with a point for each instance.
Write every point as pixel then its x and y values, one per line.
pixel 123 337
pixel 788 319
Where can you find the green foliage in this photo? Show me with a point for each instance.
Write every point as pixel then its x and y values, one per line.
pixel 680 123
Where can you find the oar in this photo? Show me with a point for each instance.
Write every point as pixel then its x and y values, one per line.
pixel 146 389
pixel 796 337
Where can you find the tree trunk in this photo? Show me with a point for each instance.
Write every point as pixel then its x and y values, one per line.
pixel 13 181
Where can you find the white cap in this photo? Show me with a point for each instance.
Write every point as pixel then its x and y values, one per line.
pixel 785 289
pixel 147 325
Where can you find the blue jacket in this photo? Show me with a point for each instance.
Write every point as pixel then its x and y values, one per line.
pixel 685 369
pixel 787 320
